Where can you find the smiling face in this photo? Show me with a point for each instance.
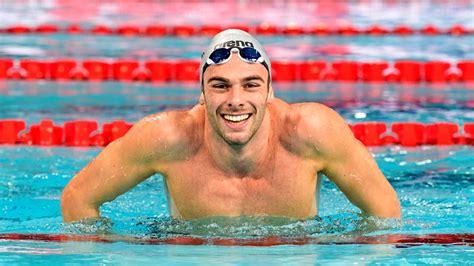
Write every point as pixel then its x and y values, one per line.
pixel 236 95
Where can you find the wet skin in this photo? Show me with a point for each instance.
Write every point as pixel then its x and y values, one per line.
pixel 239 152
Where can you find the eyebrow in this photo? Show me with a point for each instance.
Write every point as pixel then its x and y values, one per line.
pixel 257 77
pixel 218 79
pixel 249 78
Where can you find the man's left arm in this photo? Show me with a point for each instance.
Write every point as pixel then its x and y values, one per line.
pixel 348 163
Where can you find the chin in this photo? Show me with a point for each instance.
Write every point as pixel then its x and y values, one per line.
pixel 237 140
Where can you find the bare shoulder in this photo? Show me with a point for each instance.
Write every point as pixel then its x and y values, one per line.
pixel 315 128
pixel 317 117
pixel 172 133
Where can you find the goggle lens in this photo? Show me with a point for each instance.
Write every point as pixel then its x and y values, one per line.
pixel 248 54
pixel 219 55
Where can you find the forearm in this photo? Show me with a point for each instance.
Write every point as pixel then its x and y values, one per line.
pixel 384 205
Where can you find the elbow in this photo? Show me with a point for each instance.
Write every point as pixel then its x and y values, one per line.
pixel 392 208
pixel 73 206
pixel 394 211
pixel 386 208
pixel 67 204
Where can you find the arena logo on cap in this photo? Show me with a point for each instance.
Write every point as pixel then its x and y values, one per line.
pixel 235 43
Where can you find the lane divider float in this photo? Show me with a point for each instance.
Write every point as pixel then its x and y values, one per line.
pixel 398 240
pixel 158 70
pixel 261 29
pixel 83 133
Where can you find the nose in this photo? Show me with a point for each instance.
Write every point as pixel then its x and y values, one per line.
pixel 235 99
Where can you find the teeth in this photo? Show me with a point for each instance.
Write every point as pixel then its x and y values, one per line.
pixel 236 118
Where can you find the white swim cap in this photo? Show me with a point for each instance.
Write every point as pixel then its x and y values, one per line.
pixel 233 38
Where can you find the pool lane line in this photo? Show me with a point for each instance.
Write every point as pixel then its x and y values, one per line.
pixel 400 240
pixel 187 30
pixel 84 133
pixel 187 70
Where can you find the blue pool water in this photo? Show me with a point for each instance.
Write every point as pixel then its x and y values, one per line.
pixel 435 183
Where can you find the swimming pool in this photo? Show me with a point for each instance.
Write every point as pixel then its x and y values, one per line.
pixel 435 183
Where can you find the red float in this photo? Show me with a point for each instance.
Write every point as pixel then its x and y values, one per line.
pixel 376 30
pixel 210 30
pixel 469 130
pixel 101 30
pixel 320 29
pixel 374 72
pixel 441 133
pixel 183 30
pixel 18 29
pixel 128 30
pixel 311 70
pixel 409 71
pixel 45 134
pixel 74 29
pixel 436 71
pixel 115 130
pixel 348 30
pixel 35 69
pixel 370 133
pixel 293 30
pixel 62 69
pixel 5 66
pixel 47 29
pixel 467 70
pixel 284 71
pixel 430 30
pixel 9 130
pixel 96 70
pixel 409 134
pixel 159 70
pixel 78 133
pixel 457 30
pixel 156 30
pixel 186 70
pixel 346 70
pixel 124 70
pixel 403 30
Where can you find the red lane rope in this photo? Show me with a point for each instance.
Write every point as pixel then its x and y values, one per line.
pixel 84 133
pixel 262 29
pixel 401 240
pixel 159 70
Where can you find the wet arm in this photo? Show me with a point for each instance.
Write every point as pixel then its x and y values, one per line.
pixel 119 167
pixel 352 168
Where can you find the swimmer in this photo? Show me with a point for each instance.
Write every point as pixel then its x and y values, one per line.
pixel 239 152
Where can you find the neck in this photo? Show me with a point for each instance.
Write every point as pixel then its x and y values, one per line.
pixel 240 160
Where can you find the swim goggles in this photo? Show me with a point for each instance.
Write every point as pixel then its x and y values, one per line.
pixel 223 55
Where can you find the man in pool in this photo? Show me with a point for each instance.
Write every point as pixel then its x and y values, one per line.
pixel 239 152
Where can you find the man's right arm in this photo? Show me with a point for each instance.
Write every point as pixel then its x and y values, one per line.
pixel 119 167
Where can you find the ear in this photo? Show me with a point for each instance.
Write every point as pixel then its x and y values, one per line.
pixel 271 95
pixel 201 98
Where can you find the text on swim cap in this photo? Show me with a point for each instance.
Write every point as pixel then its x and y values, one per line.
pixel 236 43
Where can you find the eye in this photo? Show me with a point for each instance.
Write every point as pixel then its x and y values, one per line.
pixel 252 85
pixel 220 86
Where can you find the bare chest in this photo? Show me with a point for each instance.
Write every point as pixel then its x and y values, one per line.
pixel 285 186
